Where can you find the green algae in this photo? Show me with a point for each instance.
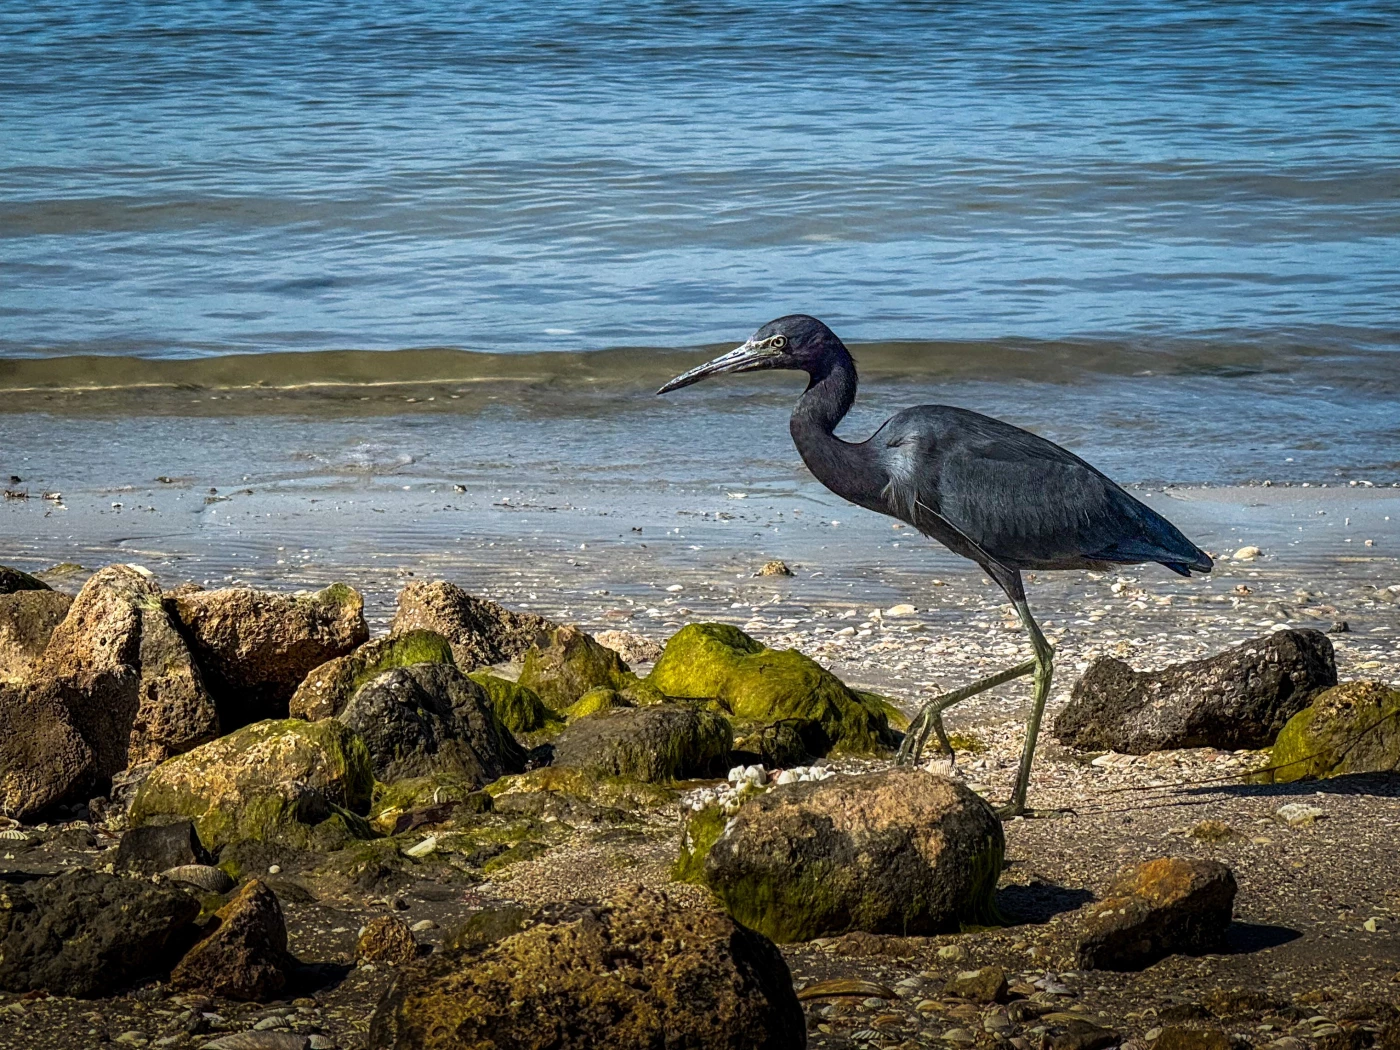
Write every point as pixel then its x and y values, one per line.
pixel 574 664
pixel 600 698
pixel 1353 727
pixel 702 830
pixel 327 689
pixel 755 684
pixel 588 785
pixel 518 707
pixel 289 782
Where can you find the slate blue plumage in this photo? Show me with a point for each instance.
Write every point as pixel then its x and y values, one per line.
pixel 991 492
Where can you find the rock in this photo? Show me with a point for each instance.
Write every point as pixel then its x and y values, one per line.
pixel 202 876
pixel 262 1041
pixel 1297 814
pixel 987 985
pixel 386 939
pixel 27 620
pixel 431 718
pixel 1164 907
pixel 327 689
pixel 520 709
pixel 652 744
pixel 87 934
pixel 480 631
pixel 632 647
pixel 291 783
pixel 1240 698
pixel 774 568
pixel 1078 1033
pixel 44 760
pixel 1246 554
pixel 255 647
pixel 156 848
pixel 1192 1039
pixel 125 673
pixel 595 700
pixel 571 663
pixel 901 851
pixel 756 684
pixel 902 611
pixel 636 973
pixel 246 955
pixel 13 581
pixel 1351 728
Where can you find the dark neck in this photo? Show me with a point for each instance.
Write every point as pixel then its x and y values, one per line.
pixel 846 469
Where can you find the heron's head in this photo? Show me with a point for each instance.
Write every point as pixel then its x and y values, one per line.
pixel 794 342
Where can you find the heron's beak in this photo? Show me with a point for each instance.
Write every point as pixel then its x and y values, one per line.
pixel 747 358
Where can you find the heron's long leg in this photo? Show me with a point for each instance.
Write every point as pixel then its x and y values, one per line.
pixel 931 717
pixel 1044 667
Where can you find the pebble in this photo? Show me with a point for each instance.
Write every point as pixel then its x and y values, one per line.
pixel 1246 554
pixel 899 611
pixel 1295 814
pixel 423 848
pixel 959 1035
pixel 274 869
pixel 423 924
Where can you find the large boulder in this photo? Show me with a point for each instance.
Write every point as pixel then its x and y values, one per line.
pixel 255 647
pixel 759 686
pixel 87 934
pixel 1164 907
pixel 653 744
pixel 570 663
pixel 480 631
pixel 1351 728
pixel 1240 698
pixel 13 581
pixel 245 957
pixel 431 718
pixel 130 683
pixel 636 973
pixel 44 760
pixel 898 852
pixel 27 620
pixel 326 690
pixel 290 783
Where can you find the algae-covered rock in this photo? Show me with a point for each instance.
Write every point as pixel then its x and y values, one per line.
pixel 600 698
pixel 658 743
pixel 431 718
pixel 290 782
pixel 13 581
pixel 480 631
pixel 756 684
pixel 415 793
pixel 638 972
pixel 1351 728
pixel 519 708
pixel 27 620
pixel 572 663
pixel 255 647
pixel 898 852
pixel 588 785
pixel 328 688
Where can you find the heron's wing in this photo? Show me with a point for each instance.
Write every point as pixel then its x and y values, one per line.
pixel 1018 498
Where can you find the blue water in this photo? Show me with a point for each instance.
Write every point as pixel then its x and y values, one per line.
pixel 202 178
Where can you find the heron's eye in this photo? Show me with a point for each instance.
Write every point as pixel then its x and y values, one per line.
pixel 779 341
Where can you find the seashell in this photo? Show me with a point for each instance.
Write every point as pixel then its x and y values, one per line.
pixel 423 848
pixel 205 876
pixel 13 835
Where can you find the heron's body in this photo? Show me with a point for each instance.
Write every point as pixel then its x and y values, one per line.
pixel 991 492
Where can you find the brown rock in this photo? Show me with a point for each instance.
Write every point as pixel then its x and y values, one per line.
pixel 480 631
pixel 27 619
pixel 632 647
pixel 987 985
pixel 255 647
pixel 386 939
pixel 123 670
pixel 246 955
pixel 636 973
pixel 44 760
pixel 1164 907
pixel 327 689
pixel 1240 698
pixel 1192 1039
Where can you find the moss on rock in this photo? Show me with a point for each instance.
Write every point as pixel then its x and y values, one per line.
pixel 519 707
pixel 755 684
pixel 574 664
pixel 590 703
pixel 299 784
pixel 658 743
pixel 327 689
pixel 589 785
pixel 1351 728
pixel 702 830
pixel 392 800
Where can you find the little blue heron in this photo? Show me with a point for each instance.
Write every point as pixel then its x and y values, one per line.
pixel 990 492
